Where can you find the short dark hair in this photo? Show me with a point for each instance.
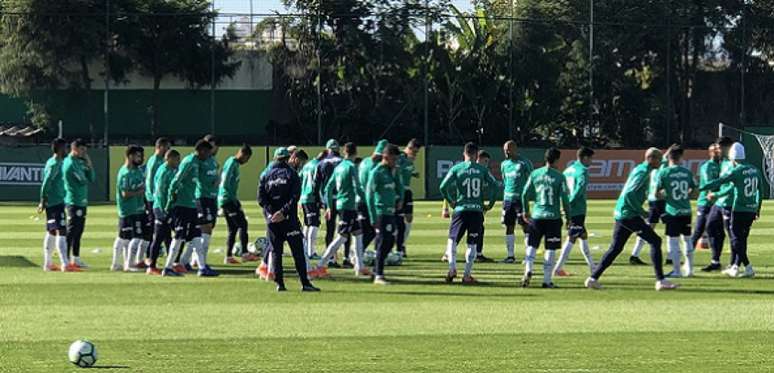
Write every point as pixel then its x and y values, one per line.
pixel 172 153
pixel 584 152
pixel 246 149
pixel 57 144
pixel 134 149
pixel 350 148
pixel 162 141
pixel 202 145
pixel 484 154
pixel 676 153
pixel 724 141
pixel 414 143
pixel 301 154
pixel 210 138
pixel 552 155
pixel 78 142
pixel 471 149
pixel 392 149
pixel 358 160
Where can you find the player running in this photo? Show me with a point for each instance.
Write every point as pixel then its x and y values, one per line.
pixel 719 219
pixel 52 195
pixel 708 171
pixel 206 202
pixel 628 220
pixel 514 170
pixel 162 228
pixel 745 193
pixel 407 171
pixel 130 195
pixel 577 177
pixel 675 184
pixel 382 195
pixel 278 192
pixel 464 189
pixel 151 166
pixel 228 203
pixel 78 174
pixel 547 187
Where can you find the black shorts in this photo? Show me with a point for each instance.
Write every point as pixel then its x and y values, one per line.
pixel 677 225
pixel 348 222
pixel 76 212
pixel 408 203
pixel 362 215
pixel 512 211
pixel 471 222
pixel 207 209
pixel 577 226
pixel 131 226
pixel 551 230
pixel 185 223
pixel 656 211
pixel 162 218
pixel 311 214
pixel 56 219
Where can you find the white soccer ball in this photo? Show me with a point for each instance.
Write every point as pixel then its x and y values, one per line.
pixel 394 259
pixel 82 353
pixel 257 247
pixel 369 257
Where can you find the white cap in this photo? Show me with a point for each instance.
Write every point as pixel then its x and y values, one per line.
pixel 736 152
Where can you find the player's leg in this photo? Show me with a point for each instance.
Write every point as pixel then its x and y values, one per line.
pixel 534 234
pixel 342 236
pixel 357 235
pixel 242 235
pixel 474 223
pixel 576 232
pixel 717 236
pixel 56 226
pixel 702 213
pixel 727 214
pixel 312 223
pixel 654 215
pixel 553 240
pixel 621 234
pixel 147 238
pixel 509 216
pixel 208 215
pixel 408 217
pixel 135 243
pixel 650 236
pixel 740 230
pixel 365 225
pixel 385 239
pixel 232 229
pixel 121 244
pixel 456 232
pixel 76 222
pixel 277 233
pixel 296 243
pixel 689 246
pixel 672 231
pixel 330 226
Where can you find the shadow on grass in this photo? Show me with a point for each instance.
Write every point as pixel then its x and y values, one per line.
pixel 110 367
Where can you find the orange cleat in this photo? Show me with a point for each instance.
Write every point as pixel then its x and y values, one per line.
pixel 262 271
pixel 179 268
pixel 562 273
pixel 52 268
pixel 322 272
pixel 153 271
pixel 71 268
pixel 365 272
pixel 270 276
pixel 231 260
pixel 250 258
pixel 469 280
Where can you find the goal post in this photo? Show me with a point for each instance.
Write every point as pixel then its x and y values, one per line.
pixel 759 149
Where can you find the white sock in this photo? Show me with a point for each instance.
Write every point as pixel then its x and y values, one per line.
pixel 133 247
pixel 584 245
pixel 529 259
pixel 548 266
pixel 48 248
pixel 566 249
pixel 470 258
pixel 119 249
pixel 141 251
pixel 174 248
pixel 638 247
pixel 199 255
pixel 689 249
pixel 674 253
pixel 330 251
pixel 312 241
pixel 451 253
pixel 358 253
pixel 510 242
pixel 185 258
pixel 205 248
pixel 406 233
pixel 61 247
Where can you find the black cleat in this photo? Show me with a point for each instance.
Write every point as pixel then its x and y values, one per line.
pixel 712 267
pixel 483 259
pixel 636 261
pixel 334 265
pixel 525 280
pixel 309 288
pixel 509 260
pixel 281 288
pixel 549 285
pixel 346 264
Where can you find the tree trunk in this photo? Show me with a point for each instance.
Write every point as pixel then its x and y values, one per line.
pixel 155 106
pixel 86 80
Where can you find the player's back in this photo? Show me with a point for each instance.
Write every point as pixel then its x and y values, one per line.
pixel 634 192
pixel 747 182
pixel 469 182
pixel 548 186
pixel 677 182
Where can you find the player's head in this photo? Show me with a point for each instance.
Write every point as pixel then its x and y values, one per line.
pixel 470 151
pixel 390 155
pixel 585 155
pixel 281 155
pixel 676 154
pixel 214 142
pixel 59 147
pixel 135 155
pixel 292 149
pixel 552 156
pixel 172 158
pixel 653 157
pixel 413 147
pixel 162 145
pixel 483 158
pixel 724 143
pixel 203 149
pixel 379 149
pixel 79 147
pixel 332 146
pixel 714 152
pixel 301 158
pixel 510 149
pixel 736 152
pixel 350 150
pixel 244 153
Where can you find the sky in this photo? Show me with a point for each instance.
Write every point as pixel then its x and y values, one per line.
pixel 270 6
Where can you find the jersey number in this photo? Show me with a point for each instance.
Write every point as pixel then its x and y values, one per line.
pixel 750 186
pixel 679 190
pixel 472 187
pixel 545 195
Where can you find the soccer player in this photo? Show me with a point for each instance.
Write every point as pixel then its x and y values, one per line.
pixel 130 200
pixel 708 171
pixel 382 195
pixel 514 170
pixel 228 202
pixel 483 158
pixel 151 166
pixel 746 192
pixel 407 171
pixel 464 187
pixel 676 186
pixel 182 204
pixel 78 174
pixel 341 192
pixel 278 192
pixel 577 177
pixel 547 187
pixel 656 207
pixel 321 176
pixel 628 220
pixel 162 230
pixel 52 195
pixel 206 201
pixel 310 205
pixel 718 221
pixel 364 171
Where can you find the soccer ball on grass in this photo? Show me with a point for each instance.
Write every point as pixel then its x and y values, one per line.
pixel 82 353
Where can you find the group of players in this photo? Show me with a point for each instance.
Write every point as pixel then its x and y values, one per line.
pixel 369 200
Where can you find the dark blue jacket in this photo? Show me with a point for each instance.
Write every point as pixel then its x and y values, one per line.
pixel 279 190
pixel 324 171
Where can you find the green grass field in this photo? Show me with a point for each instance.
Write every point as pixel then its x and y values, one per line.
pixel 237 323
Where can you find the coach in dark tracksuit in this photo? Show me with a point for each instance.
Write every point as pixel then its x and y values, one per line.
pixel 278 192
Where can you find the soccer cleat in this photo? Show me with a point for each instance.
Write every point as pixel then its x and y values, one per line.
pixel 132 269
pixel 483 259
pixel 636 261
pixel 169 272
pixel 179 268
pixel 262 271
pixel 153 271
pixel 687 271
pixel 450 276
pixel 309 288
pixel 334 265
pixel 322 272
pixel 365 272
pixel 712 267
pixel 562 273
pixel 141 265
pixel 445 258
pixel 248 257
pixel 379 280
pixel 116 268
pixel 592 283
pixel 469 280
pixel 270 276
pixel 403 253
pixel 230 260
pixel 78 262
pixel 188 267
pixel 666 285
pixel 281 288
pixel 509 260
pixel 748 272
pixel 52 268
pixel 71 267
pixel 549 285
pixel 206 271
pixel 526 279
pixel 674 274
pixel 732 271
pixel 346 264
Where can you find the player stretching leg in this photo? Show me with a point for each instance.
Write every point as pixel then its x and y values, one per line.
pixel 577 177
pixel 162 227
pixel 382 195
pixel 708 171
pixel 464 187
pixel 514 170
pixel 78 174
pixel 656 208
pixel 407 170
pixel 52 194
pixel 228 202
pixel 628 221
pixel 548 188
pixel 130 195
pixel 720 213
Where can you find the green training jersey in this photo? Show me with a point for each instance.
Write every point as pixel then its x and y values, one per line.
pixel 629 204
pixel 161 183
pixel 709 170
pixel 653 182
pixel 151 166
pixel 343 187
pixel 746 188
pixel 466 187
pixel 229 182
pixel 406 169
pixel 515 174
pixel 363 171
pixel 383 191
pixel 577 177
pixel 677 183
pixel 77 177
pixel 725 192
pixel 182 189
pixel 207 182
pixel 130 180
pixel 548 188
pixel 307 182
pixel 52 188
